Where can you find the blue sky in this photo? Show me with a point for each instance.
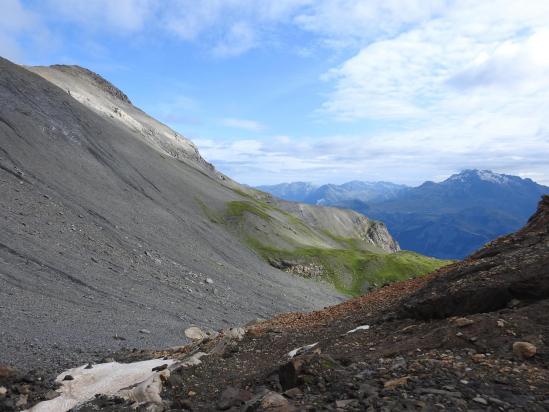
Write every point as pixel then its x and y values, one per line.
pixel 322 91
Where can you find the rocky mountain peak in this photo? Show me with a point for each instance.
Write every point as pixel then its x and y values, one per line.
pixel 471 175
pixel 95 78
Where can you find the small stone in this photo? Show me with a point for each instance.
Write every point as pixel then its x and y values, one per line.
pixel 524 350
pixel 68 378
pixel 22 401
pixel 191 393
pixel 160 368
pixel 393 383
pixel 235 333
pixel 209 281
pixel 293 393
pixel 274 401
pixel 450 393
pixel 480 400
pixel 399 363
pixel 195 333
pixel 145 331
pixel 233 397
pixel 478 357
pixel 288 374
pixel 497 401
pixel 462 322
pixel 3 391
pixel 89 366
pixel 500 323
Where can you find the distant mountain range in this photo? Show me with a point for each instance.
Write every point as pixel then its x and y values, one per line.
pixel 449 219
pixel 331 194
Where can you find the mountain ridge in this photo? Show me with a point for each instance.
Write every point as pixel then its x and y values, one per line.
pixel 452 218
pixel 115 229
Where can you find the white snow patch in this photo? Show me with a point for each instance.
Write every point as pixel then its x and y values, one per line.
pixel 489 176
pixel 103 378
pixel 363 327
pixel 292 353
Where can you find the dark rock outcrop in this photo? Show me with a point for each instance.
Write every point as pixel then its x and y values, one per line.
pixel 511 267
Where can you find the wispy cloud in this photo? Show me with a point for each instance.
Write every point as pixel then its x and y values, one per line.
pixel 409 158
pixel 239 39
pixel 18 25
pixel 250 125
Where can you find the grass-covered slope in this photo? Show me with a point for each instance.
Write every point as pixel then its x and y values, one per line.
pixel 315 246
pixel 351 271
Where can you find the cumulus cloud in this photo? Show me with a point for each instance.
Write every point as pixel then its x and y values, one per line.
pixel 521 63
pixel 409 75
pixel 470 86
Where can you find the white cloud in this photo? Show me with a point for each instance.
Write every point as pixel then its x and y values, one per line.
pixel 350 21
pixel 452 84
pixel 410 74
pixel 250 125
pixel 407 158
pixel 239 39
pixel 518 64
pixel 469 87
pixel 228 27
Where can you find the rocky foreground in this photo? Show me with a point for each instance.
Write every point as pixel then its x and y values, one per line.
pixel 471 336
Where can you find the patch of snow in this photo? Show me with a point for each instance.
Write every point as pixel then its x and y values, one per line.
pixel 363 327
pixel 294 352
pixel 489 176
pixel 104 378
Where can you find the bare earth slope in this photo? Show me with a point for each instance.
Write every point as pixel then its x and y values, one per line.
pixel 496 358
pixel 104 240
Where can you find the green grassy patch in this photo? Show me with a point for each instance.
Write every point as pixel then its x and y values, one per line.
pixel 236 210
pixel 353 271
pixel 353 266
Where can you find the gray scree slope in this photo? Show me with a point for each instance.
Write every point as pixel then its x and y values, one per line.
pixel 102 238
